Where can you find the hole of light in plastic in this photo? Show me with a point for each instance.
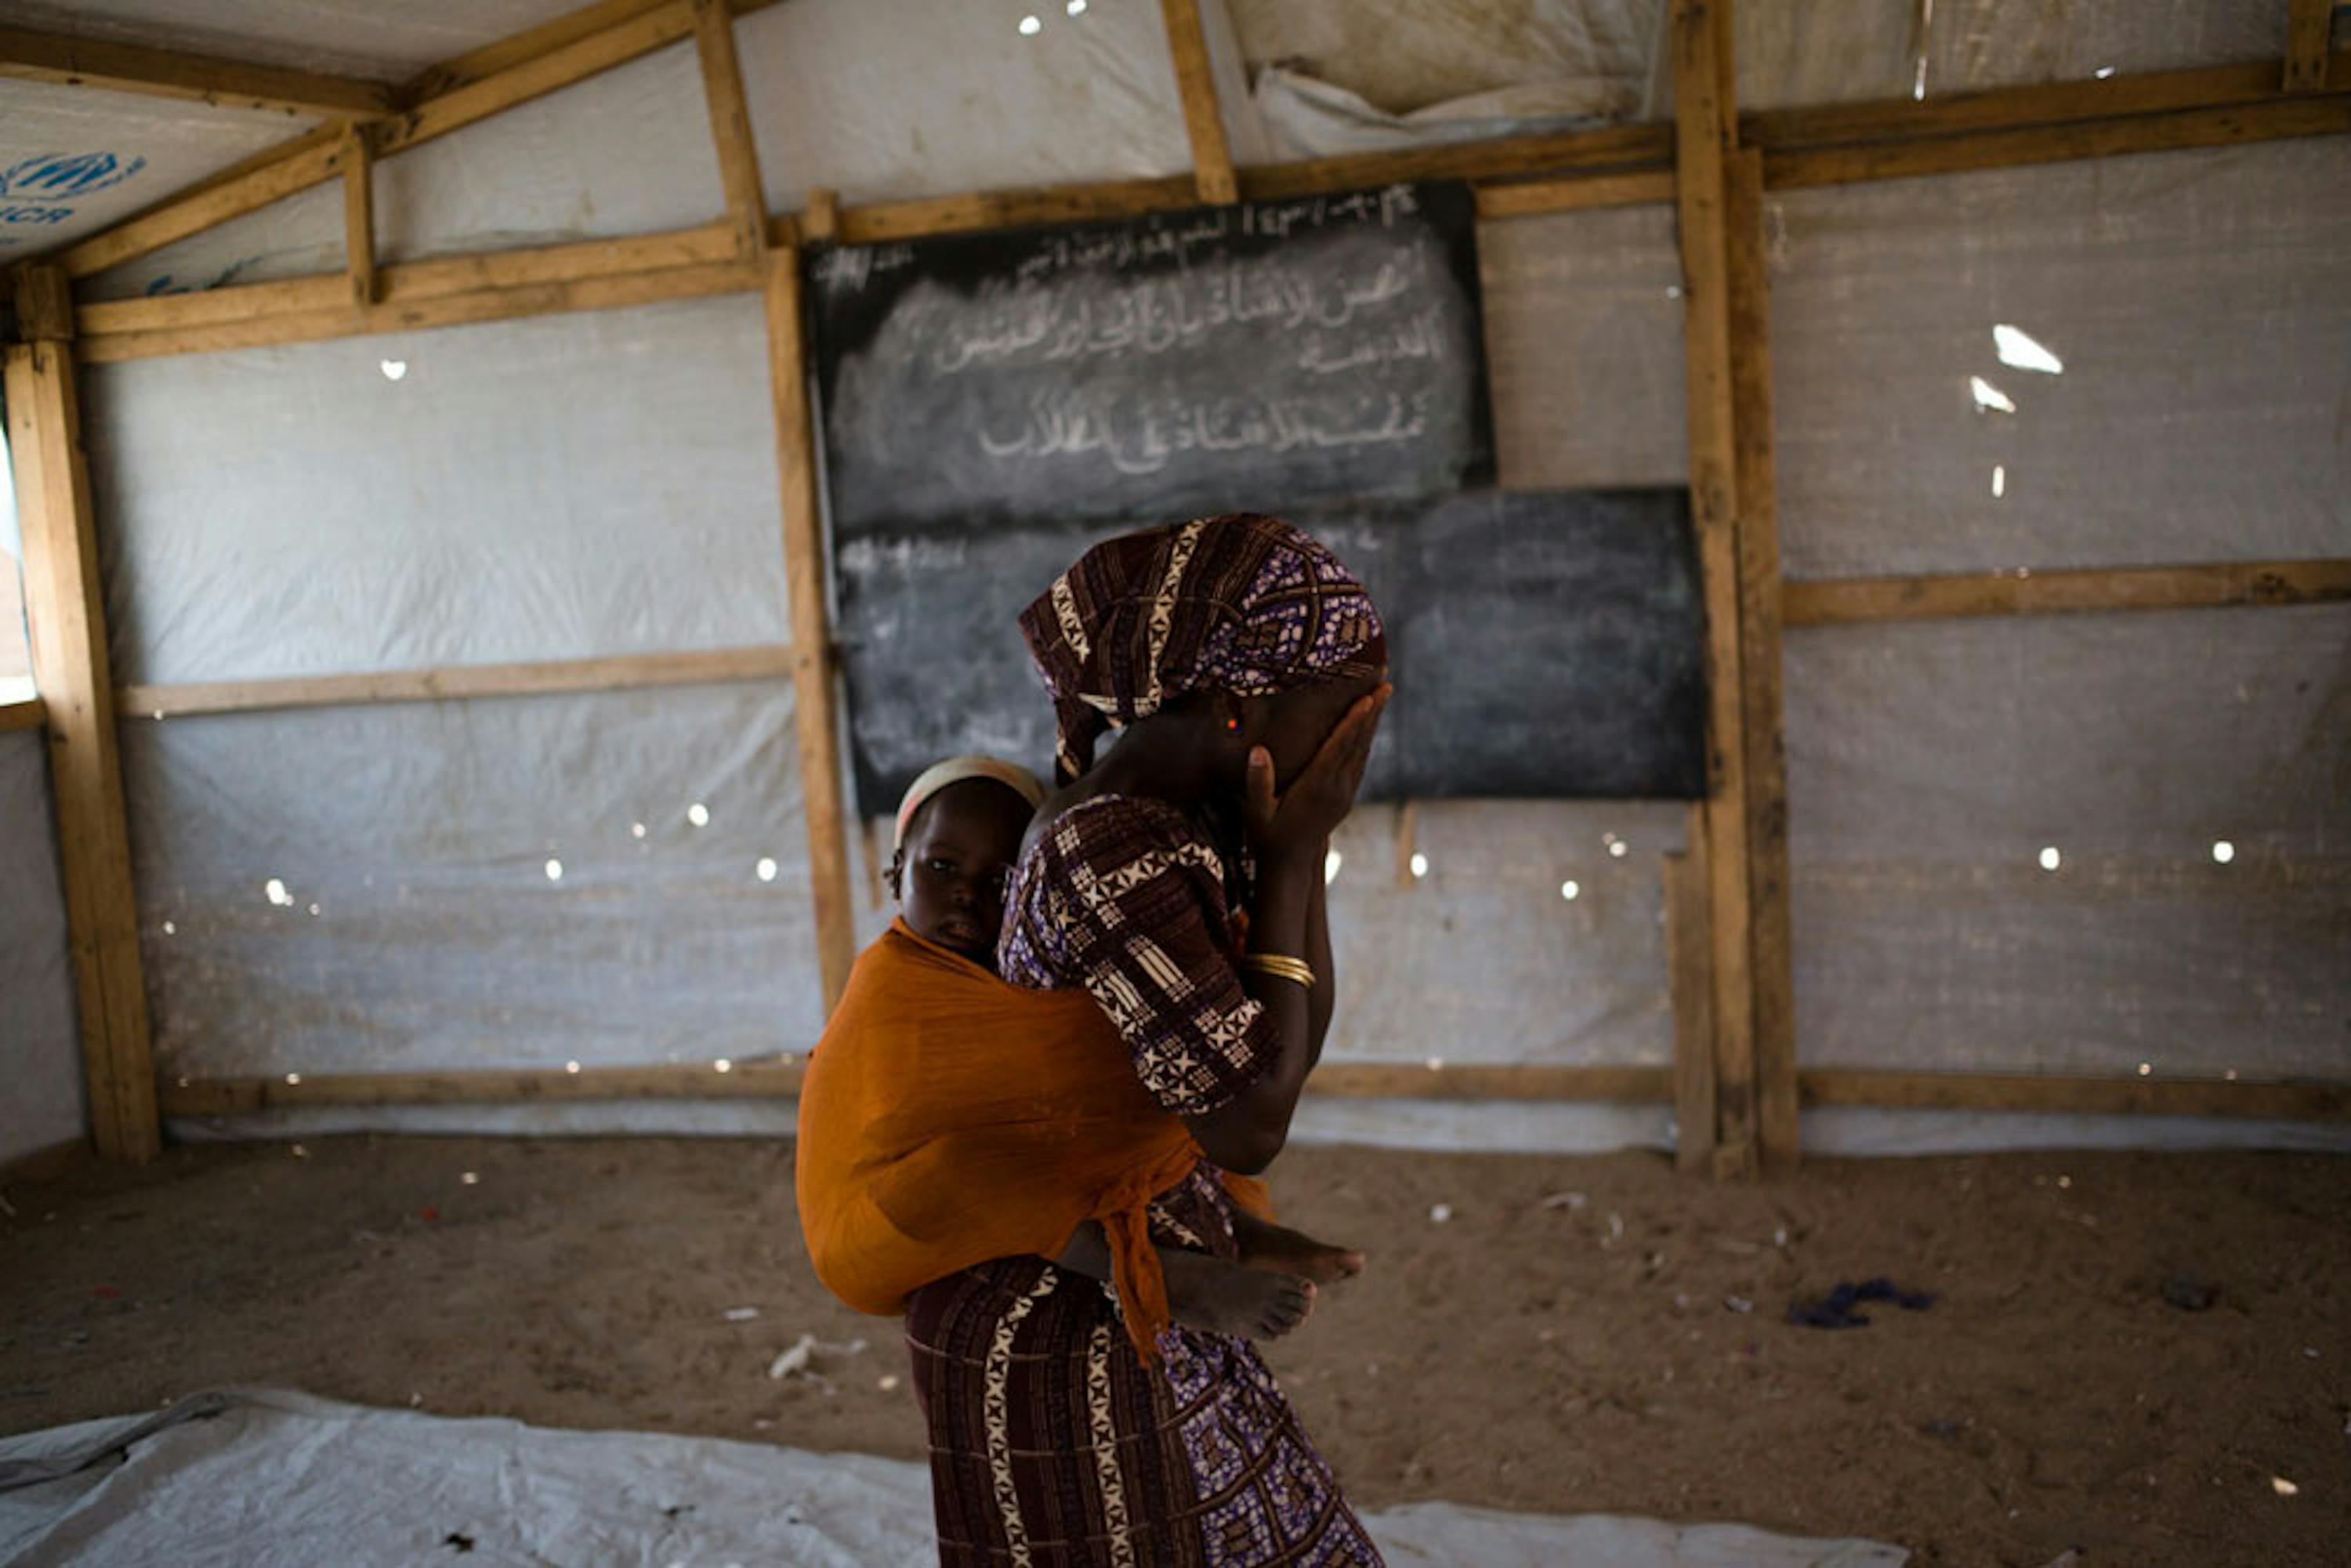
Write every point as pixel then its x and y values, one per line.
pixel 1077 8
pixel 570 1067
pixel 275 892
pixel 2050 859
pixel 723 1065
pixel 2017 347
pixel 1419 865
pixel 1331 865
pixel 293 1078
pixel 1030 26
pixel 393 369
pixel 1571 890
pixel 2103 72
pixel 171 929
pixel 766 868
pixel 1619 849
pixel 1989 396
pixel 636 830
pixel 698 814
pixel 555 870
pixel 2147 1068
pixel 2223 850
pixel 1998 480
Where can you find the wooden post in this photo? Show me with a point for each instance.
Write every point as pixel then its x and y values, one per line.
pixel 2307 25
pixel 820 223
pixel 65 606
pixel 1759 660
pixel 730 127
pixel 1212 160
pixel 813 662
pixel 359 214
pixel 1705 128
pixel 1690 970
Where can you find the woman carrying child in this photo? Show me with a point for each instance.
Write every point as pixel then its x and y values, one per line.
pixel 1172 894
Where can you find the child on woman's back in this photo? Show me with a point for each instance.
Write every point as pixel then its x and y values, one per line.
pixel 958 838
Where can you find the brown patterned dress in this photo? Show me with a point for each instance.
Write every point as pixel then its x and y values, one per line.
pixel 1051 1442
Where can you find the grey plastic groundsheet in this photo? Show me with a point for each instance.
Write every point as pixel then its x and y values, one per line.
pixel 269 1478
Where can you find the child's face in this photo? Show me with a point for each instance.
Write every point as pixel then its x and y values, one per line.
pixel 961 850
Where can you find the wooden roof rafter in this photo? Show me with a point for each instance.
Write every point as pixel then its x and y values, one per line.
pixel 440 100
pixel 114 66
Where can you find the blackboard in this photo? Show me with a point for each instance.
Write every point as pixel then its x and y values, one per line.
pixel 1545 644
pixel 1263 355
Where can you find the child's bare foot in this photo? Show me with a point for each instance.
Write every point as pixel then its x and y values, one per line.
pixel 1265 1246
pixel 1225 1298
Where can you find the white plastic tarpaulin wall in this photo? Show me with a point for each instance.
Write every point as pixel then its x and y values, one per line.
pixel 2070 843
pixel 40 1049
pixel 607 878
pixel 603 484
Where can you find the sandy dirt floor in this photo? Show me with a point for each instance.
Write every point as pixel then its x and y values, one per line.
pixel 1578 1334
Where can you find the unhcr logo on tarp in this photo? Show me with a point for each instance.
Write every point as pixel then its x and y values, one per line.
pixel 38 191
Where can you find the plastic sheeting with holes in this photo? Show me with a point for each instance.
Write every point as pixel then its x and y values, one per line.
pixel 2176 397
pixel 274 1479
pixel 513 882
pixel 603 483
pixel 40 1049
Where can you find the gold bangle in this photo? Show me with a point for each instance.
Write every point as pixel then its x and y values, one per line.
pixel 1281 967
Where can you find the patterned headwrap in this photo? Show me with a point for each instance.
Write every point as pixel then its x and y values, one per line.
pixel 1243 603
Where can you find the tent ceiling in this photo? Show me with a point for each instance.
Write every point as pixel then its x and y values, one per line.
pixel 346 38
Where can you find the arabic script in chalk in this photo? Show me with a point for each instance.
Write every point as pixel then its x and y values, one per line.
pixel 1066 320
pixel 1140 437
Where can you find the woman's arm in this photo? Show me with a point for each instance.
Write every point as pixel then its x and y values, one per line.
pixel 1320 1006
pixel 1246 1131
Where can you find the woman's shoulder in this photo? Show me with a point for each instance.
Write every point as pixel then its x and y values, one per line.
pixel 1116 829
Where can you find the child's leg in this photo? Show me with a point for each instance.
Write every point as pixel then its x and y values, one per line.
pixel 1204 1292
pixel 1265 1245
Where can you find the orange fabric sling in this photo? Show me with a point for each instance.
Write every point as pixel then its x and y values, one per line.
pixel 947 1118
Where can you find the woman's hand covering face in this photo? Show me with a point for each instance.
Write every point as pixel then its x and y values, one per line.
pixel 1300 819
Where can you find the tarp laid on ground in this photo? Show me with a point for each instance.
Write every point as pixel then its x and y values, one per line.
pixel 264 1478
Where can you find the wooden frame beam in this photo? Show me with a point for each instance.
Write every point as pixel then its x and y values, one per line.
pixel 730 127
pixel 30 714
pixel 65 606
pixel 1770 941
pixel 2308 26
pixel 815 710
pixel 778 1077
pixel 1690 968
pixel 2316 114
pixel 1195 82
pixel 242 188
pixel 408 283
pixel 358 216
pixel 1705 141
pixel 448 682
pixel 2052 1094
pixel 590 291
pixel 1538 198
pixel 1611 167
pixel 2147 112
pixel 2250 583
pixel 462 92
pixel 2117 97
pixel 114 67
